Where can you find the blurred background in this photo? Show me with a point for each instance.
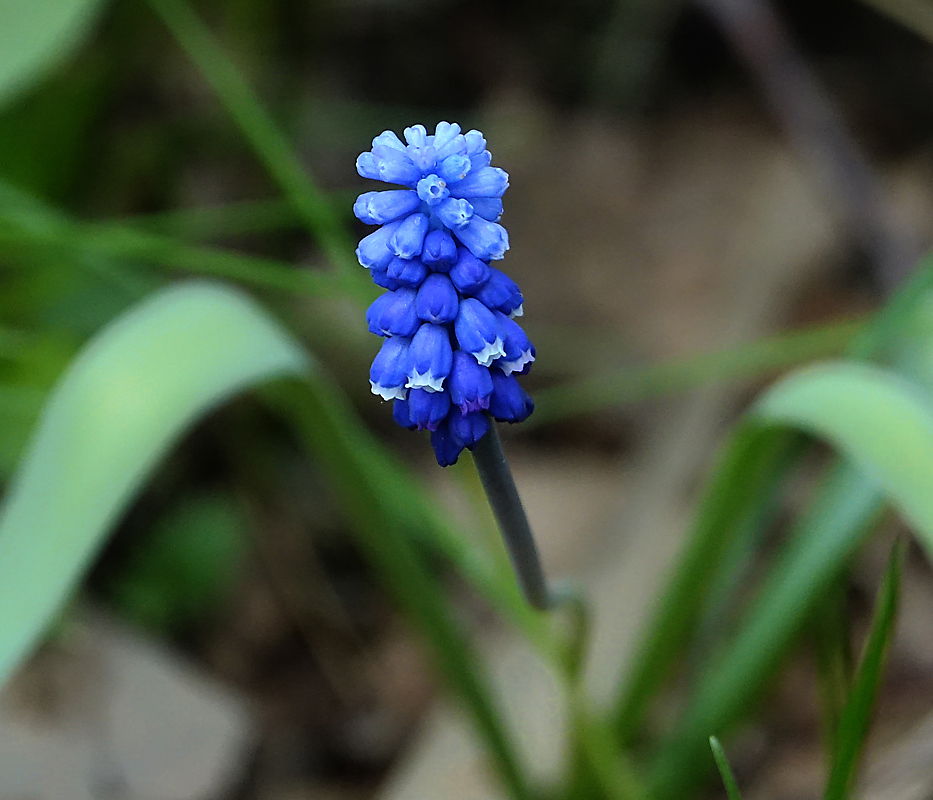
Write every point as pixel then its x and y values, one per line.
pixel 686 177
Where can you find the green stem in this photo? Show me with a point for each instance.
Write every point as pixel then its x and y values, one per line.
pixel 321 420
pixel 503 497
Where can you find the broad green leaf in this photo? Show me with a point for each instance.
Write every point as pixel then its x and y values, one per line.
pixel 127 398
pixel 856 715
pixel 879 420
pixel 119 407
pixel 722 764
pixel 35 35
pixel 727 513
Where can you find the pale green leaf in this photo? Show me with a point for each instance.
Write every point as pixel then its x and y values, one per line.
pixel 119 407
pixel 881 421
pixel 35 34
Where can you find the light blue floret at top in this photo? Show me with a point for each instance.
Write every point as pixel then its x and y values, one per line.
pixel 452 348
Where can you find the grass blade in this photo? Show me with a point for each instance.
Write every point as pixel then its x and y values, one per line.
pixel 368 497
pixel 820 546
pixel 855 718
pixel 262 133
pixel 834 660
pixel 750 360
pixel 722 764
pixel 742 487
pixel 884 424
pixel 662 645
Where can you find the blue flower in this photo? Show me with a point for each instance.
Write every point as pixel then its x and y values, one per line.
pixel 469 274
pixel 440 251
pixel 500 293
pixel 427 410
pixel 388 375
pixel 452 348
pixel 406 272
pixel 468 428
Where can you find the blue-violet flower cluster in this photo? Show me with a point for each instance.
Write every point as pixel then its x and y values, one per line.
pixel 452 347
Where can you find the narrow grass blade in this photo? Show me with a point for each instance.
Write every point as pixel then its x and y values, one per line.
pixel 122 403
pixel 665 642
pixel 855 718
pixel 380 521
pixel 751 360
pixel 261 132
pixel 133 245
pixel 722 764
pixel 211 222
pixel 835 665
pixel 742 488
pixel 884 425
pixel 821 544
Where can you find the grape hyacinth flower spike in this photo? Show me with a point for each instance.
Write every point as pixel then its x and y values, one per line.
pixel 452 349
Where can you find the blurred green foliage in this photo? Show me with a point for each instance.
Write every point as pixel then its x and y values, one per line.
pixel 104 369
pixel 185 567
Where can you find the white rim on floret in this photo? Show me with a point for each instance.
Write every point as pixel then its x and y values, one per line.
pixel 389 392
pixel 426 382
pixel 490 353
pixel 508 367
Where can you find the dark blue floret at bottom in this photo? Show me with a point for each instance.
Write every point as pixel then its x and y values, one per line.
pixel 451 349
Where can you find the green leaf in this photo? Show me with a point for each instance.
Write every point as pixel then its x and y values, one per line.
pixel 822 541
pixel 856 715
pixel 740 492
pixel 265 137
pixel 884 424
pixel 614 388
pixel 722 764
pixel 881 421
pixel 121 404
pixel 820 545
pixel 132 392
pixel 385 509
pixel 35 35
pixel 829 631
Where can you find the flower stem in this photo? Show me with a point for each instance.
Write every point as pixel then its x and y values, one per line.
pixel 499 485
